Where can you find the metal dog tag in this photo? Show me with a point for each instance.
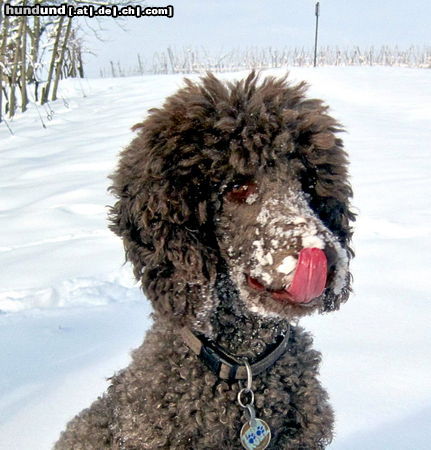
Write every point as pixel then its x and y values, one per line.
pixel 255 437
pixel 255 433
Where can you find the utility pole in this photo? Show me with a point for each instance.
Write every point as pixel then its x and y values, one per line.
pixel 317 12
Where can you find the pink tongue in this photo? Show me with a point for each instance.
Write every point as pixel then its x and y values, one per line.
pixel 309 279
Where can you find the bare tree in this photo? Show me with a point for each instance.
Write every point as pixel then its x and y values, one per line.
pixel 58 31
pixel 31 46
pixel 61 59
pixel 17 47
pixel 4 22
pixel 73 65
pixel 23 77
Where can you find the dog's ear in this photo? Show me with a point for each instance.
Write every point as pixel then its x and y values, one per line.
pixel 325 178
pixel 164 227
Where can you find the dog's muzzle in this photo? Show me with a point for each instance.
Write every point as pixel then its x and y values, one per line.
pixel 309 279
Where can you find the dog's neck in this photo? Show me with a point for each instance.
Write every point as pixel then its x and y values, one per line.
pixel 240 331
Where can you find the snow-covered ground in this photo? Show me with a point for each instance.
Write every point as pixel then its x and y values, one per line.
pixel 71 311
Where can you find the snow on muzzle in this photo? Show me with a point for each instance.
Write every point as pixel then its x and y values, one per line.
pixel 308 281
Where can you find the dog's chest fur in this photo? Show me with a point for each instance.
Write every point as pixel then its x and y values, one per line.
pixel 286 397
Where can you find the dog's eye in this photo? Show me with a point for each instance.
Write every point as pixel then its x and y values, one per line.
pixel 240 193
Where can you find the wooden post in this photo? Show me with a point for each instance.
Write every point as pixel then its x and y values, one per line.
pixel 140 66
pixel 317 12
pixel 171 60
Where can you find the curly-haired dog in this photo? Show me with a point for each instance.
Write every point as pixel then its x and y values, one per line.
pixel 233 206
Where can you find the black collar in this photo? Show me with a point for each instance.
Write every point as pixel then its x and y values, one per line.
pixel 230 367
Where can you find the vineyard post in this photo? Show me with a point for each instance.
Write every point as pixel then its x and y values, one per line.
pixel 317 12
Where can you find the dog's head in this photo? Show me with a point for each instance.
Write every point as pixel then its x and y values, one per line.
pixel 236 190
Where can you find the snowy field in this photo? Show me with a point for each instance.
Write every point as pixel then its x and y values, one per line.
pixel 70 311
